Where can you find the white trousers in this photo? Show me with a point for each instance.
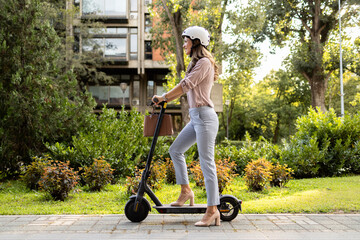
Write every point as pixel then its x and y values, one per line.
pixel 202 129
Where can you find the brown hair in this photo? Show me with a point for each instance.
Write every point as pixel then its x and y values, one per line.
pixel 198 51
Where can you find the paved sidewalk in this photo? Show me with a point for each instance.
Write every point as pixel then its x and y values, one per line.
pixel 245 226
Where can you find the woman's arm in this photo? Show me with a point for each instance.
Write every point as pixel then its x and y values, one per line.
pixel 173 94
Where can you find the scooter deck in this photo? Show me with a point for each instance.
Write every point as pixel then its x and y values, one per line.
pixel 197 208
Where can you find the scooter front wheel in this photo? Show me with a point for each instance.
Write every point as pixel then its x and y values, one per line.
pixel 140 215
pixel 228 208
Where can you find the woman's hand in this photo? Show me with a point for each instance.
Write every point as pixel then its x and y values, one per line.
pixel 160 98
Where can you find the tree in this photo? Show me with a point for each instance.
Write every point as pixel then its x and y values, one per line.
pixel 39 101
pixel 308 25
pixel 282 97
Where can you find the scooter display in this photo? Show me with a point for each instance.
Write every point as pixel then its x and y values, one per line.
pixel 137 208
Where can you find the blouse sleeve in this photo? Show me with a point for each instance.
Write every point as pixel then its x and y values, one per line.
pixel 197 74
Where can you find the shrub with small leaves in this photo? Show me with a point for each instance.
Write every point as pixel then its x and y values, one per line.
pixel 157 175
pixel 58 179
pixel 258 174
pixel 225 173
pixel 132 183
pixel 98 175
pixel 170 171
pixel 281 175
pixel 155 180
pixel 35 170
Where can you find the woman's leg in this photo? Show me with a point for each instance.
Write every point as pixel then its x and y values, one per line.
pixel 205 137
pixel 206 133
pixel 182 143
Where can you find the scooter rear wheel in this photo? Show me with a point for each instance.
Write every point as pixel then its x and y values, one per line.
pixel 229 208
pixel 140 215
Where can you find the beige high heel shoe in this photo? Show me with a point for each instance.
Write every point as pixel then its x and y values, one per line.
pixel 183 198
pixel 215 216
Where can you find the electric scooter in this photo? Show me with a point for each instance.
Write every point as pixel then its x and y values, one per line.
pixel 137 208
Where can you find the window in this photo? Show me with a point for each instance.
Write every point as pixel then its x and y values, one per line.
pixel 148 50
pixel 160 88
pixel 93 45
pixel 133 47
pixel 113 42
pixel 113 95
pixel 104 7
pixel 148 23
pixel 150 89
pixel 115 47
pixel 136 91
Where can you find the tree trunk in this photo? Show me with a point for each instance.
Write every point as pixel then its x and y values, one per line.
pixel 319 32
pixel 276 131
pixel 176 24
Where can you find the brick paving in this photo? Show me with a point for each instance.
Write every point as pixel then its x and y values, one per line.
pixel 155 226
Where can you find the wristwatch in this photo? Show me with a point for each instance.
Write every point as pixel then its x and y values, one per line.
pixel 164 96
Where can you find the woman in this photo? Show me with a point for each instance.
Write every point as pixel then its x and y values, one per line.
pixel 203 127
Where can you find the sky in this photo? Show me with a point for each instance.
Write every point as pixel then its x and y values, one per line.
pixel 270 61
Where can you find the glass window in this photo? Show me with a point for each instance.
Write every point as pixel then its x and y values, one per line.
pixel 104 7
pixel 93 7
pixel 159 90
pixel 122 30
pixel 133 43
pixel 150 89
pixel 148 24
pixel 111 30
pixel 115 47
pixel 118 96
pixel 148 50
pixel 133 5
pixel 133 30
pixel 93 44
pixel 125 77
pixel 115 7
pixel 136 93
pixel 100 93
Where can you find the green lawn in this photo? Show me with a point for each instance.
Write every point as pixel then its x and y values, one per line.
pixel 320 195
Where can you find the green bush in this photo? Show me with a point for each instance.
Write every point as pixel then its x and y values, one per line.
pixel 224 169
pixel 324 145
pixel 155 181
pixel 280 175
pixel 132 183
pixel 35 170
pixel 58 180
pixel 170 171
pixel 248 151
pixel 258 174
pixel 115 135
pixel 98 175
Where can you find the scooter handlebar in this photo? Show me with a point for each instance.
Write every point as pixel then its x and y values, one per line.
pixel 156 100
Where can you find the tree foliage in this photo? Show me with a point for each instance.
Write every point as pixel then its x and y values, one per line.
pixel 39 101
pixel 308 25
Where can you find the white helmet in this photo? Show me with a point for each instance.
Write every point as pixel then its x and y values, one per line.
pixel 200 33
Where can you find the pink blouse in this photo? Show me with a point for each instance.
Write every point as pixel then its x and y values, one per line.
pixel 198 82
